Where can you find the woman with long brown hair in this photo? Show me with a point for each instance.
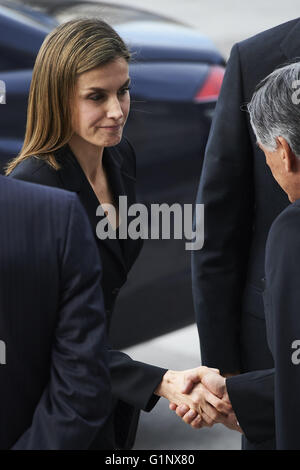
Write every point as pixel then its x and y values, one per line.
pixel 78 104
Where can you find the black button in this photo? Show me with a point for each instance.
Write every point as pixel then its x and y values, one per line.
pixel 115 291
pixel 263 282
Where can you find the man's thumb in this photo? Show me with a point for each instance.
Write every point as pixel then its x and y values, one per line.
pixel 189 381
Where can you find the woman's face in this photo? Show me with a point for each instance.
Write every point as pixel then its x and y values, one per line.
pixel 101 104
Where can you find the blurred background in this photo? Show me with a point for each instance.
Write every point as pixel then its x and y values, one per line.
pixel 224 21
pixel 180 49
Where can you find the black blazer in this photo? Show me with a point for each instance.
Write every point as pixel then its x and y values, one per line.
pixel 55 387
pixel 133 382
pixel 241 201
pixel 255 396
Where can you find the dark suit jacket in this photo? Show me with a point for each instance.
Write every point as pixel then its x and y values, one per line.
pixel 55 390
pixel 253 395
pixel 133 382
pixel 241 201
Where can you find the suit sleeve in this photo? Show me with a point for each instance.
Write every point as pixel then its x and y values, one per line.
pixel 282 301
pixel 225 189
pixel 252 398
pixel 134 382
pixel 77 400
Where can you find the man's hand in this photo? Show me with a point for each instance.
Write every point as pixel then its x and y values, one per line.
pixel 216 384
pixel 202 405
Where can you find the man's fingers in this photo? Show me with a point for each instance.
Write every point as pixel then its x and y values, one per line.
pixel 197 423
pixel 231 422
pixel 202 396
pixel 181 410
pixel 193 419
pixel 239 429
pixel 212 405
pixel 220 406
pixel 172 406
pixel 211 412
pixel 206 420
pixel 189 416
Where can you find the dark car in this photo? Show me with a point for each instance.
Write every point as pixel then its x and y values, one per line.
pixel 176 77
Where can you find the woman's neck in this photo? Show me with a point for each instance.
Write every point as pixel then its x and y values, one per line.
pixel 89 157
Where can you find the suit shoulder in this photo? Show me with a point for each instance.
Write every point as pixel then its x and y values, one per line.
pixel 257 56
pixel 268 38
pixel 35 170
pixel 39 193
pixel 42 205
pixel 286 227
pixel 127 152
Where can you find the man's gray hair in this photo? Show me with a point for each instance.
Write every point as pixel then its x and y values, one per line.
pixel 275 108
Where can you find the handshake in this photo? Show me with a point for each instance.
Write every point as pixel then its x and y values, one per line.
pixel 199 396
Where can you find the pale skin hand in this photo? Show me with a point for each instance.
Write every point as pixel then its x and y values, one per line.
pixel 217 385
pixel 200 402
pixel 209 412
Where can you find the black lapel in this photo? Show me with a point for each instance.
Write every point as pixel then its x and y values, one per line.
pixel 122 184
pixel 290 46
pixel 70 173
pixel 73 179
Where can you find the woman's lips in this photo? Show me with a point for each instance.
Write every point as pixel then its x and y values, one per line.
pixel 111 128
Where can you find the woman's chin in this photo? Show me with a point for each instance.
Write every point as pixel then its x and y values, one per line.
pixel 111 141
pixel 108 141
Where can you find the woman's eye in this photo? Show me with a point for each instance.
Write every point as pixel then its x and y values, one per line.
pixel 95 97
pixel 98 97
pixel 124 90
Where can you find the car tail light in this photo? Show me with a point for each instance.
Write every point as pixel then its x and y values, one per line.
pixel 210 90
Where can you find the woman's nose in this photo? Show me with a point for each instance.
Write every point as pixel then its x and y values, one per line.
pixel 114 109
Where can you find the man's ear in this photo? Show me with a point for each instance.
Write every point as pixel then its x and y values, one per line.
pixel 287 155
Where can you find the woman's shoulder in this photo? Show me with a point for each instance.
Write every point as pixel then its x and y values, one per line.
pixel 36 170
